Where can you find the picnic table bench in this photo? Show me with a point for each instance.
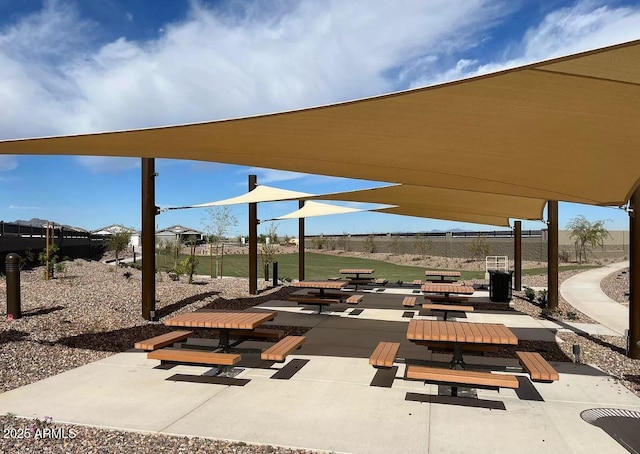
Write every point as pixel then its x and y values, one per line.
pixel 537 367
pixel 162 340
pixel 456 378
pixel 409 301
pixel 197 357
pixel 279 351
pixel 384 355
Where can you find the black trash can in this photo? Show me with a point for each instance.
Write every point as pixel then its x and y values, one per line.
pixel 500 286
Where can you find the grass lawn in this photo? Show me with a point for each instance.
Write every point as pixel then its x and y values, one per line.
pixel 323 266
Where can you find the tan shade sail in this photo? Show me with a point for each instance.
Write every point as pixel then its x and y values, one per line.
pixel 312 209
pixel 439 200
pixel 260 193
pixel 565 129
pixel 427 212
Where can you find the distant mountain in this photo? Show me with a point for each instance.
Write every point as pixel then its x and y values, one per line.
pixel 37 222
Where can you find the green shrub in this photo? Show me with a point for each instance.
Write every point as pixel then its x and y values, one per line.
pixel 571 315
pixel 529 294
pixel 369 244
pixel 542 298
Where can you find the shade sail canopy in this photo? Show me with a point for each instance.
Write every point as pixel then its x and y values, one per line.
pixel 260 193
pixel 449 215
pixel 444 200
pixel 312 209
pixel 564 129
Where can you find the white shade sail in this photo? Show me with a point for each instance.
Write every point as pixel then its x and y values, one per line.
pixel 260 193
pixel 311 209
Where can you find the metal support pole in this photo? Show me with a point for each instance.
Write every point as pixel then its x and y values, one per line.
pixel 552 255
pixel 253 240
pixel 301 244
pixel 634 277
pixel 275 274
pixel 517 255
pixel 46 271
pixel 12 267
pixel 149 211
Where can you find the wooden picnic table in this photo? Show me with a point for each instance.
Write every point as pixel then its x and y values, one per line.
pixel 223 321
pixel 447 289
pixel 321 298
pixel 441 275
pixel 321 286
pixel 357 277
pixel 459 333
pixel 357 271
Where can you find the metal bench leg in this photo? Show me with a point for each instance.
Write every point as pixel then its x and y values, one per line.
pixel 457 361
pixel 224 340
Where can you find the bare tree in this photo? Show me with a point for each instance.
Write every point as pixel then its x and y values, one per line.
pixel 218 223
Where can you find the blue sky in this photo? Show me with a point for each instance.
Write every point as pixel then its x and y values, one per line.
pixel 85 66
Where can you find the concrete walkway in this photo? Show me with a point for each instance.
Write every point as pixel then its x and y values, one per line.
pixel 583 292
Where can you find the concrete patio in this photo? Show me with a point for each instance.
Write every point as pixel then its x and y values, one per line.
pixel 329 405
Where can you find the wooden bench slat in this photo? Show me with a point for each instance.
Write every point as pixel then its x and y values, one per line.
pixel 409 301
pixel 380 281
pixel 195 356
pixel 537 367
pixel 384 354
pixel 463 377
pixel 354 299
pixel 163 340
pixel 279 351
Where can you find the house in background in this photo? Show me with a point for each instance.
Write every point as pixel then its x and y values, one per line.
pixel 117 228
pixel 178 233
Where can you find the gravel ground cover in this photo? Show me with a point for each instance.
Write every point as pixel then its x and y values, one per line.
pixel 92 311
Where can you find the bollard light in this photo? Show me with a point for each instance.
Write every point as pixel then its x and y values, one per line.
pixel 576 353
pixel 12 267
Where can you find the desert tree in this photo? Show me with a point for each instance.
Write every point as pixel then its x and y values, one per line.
pixel 586 235
pixel 118 242
pixel 217 223
pixel 269 248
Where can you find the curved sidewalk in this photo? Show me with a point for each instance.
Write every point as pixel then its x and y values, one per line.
pixel 583 292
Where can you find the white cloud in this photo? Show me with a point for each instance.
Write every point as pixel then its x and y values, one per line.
pixel 17 207
pixel 218 64
pixel 586 25
pixel 100 164
pixel 263 57
pixel 271 176
pixel 8 162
